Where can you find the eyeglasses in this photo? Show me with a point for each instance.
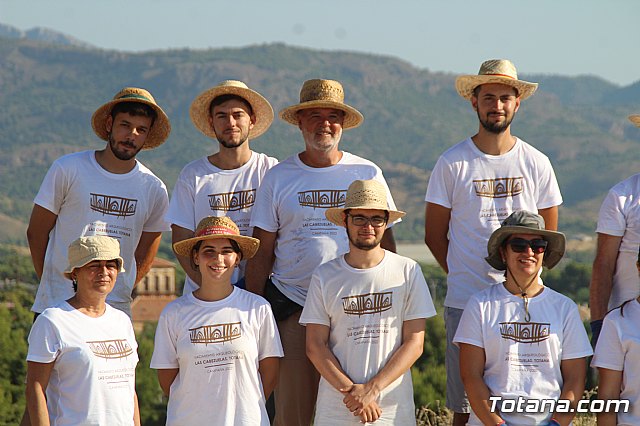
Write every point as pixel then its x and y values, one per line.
pixel 520 245
pixel 375 221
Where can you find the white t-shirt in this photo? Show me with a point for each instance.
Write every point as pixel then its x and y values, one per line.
pixel 618 349
pixel 523 358
pixel 620 216
pixel 291 201
pixel 482 190
pixel 217 347
pixel 93 378
pixel 89 200
pixel 203 189
pixel 365 310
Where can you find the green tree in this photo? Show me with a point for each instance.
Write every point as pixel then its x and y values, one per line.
pixel 153 407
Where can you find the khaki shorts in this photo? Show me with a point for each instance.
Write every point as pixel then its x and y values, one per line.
pixel 456 396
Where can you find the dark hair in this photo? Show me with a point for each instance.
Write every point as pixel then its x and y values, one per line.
pixel 135 109
pixel 196 247
pixel 476 90
pixel 219 100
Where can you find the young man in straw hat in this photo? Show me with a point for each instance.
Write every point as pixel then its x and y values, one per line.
pixel 294 235
pixel 365 317
pixel 614 279
pixel 475 185
pixel 224 183
pixel 104 192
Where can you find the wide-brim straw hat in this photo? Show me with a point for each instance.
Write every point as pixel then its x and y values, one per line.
pixel 94 247
pixel 363 194
pixel 635 119
pixel 160 129
pixel 524 222
pixel 213 227
pixel 501 71
pixel 319 93
pixel 201 107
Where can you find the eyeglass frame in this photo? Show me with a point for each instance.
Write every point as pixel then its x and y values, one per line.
pixel 527 244
pixel 368 220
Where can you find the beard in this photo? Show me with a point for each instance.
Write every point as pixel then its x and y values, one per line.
pixel 361 244
pixel 232 143
pixel 497 127
pixel 120 154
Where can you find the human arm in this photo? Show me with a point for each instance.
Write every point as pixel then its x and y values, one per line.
pixel 178 233
pixel 388 241
pixel 604 266
pixel 166 376
pixel 136 410
pixel 259 266
pixel 268 369
pixel 609 385
pixel 41 223
pixel 550 216
pixel 38 375
pixel 574 374
pixel 146 252
pixel 436 229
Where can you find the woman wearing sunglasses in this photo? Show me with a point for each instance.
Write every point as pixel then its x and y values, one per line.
pixel 523 347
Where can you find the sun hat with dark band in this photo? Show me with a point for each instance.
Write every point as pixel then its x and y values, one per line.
pixel 85 250
pixel 363 194
pixel 501 71
pixel 635 119
pixel 212 227
pixel 160 129
pixel 524 222
pixel 201 107
pixel 320 93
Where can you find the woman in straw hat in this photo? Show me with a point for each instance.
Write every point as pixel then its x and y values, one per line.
pixel 82 353
pixel 522 343
pixel 217 349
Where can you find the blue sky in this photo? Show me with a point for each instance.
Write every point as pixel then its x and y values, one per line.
pixel 566 37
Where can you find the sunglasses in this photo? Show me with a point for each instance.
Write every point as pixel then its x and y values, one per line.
pixel 520 245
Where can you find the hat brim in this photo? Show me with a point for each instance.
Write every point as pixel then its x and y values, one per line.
pixel 554 252
pixel 199 110
pixel 635 119
pixel 466 84
pixel 248 245
pixel 352 117
pixel 157 135
pixel 336 214
pixel 90 258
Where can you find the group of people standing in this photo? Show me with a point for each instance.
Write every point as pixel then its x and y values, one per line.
pixel 293 284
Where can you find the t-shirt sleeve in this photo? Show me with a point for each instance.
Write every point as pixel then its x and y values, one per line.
pixel 44 341
pixel 470 326
pixel 156 219
pixel 181 210
pixel 609 352
pixel 269 345
pixel 53 189
pixel 264 214
pixel 315 311
pixel 165 353
pixel 440 187
pixel 548 189
pixel 575 340
pixel 611 219
pixel 418 303
pixel 390 202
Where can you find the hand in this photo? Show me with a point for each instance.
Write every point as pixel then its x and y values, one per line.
pixel 370 413
pixel 359 396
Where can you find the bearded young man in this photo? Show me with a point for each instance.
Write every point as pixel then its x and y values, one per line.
pixel 475 185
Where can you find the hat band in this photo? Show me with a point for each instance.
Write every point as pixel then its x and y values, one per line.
pixel 216 230
pixel 134 96
pixel 501 75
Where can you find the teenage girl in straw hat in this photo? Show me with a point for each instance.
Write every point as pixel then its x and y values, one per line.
pixel 217 349
pixel 520 340
pixel 75 346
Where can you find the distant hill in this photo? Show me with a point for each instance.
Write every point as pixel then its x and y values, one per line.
pixel 49 92
pixel 41 34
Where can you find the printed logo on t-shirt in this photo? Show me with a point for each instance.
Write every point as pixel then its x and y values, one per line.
pixel 499 187
pixel 110 349
pixel 215 333
pixel 113 205
pixel 322 198
pixel 525 332
pixel 232 201
pixel 367 304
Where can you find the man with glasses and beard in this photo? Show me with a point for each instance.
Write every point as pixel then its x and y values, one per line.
pixel 106 192
pixel 365 318
pixel 475 185
pixel 224 183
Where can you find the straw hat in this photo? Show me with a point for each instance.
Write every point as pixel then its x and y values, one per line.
pixel 95 247
pixel 201 106
pixel 159 131
pixel 213 227
pixel 501 71
pixel 524 222
pixel 635 119
pixel 323 94
pixel 363 194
